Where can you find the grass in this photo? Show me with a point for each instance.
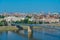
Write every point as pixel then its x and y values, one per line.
pixel 8 28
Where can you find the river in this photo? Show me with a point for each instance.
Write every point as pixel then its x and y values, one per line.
pixel 45 34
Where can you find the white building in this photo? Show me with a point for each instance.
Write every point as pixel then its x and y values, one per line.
pixel 13 18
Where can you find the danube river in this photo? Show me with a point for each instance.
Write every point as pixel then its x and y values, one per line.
pixel 38 34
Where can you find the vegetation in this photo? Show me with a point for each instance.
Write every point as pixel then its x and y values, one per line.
pixel 3 23
pixel 2 16
pixel 26 21
pixel 8 28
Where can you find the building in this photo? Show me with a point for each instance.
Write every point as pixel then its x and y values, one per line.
pixel 13 18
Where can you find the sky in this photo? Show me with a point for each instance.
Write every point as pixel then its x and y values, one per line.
pixel 30 5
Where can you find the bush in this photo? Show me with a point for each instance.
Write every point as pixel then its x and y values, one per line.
pixel 3 23
pixel 46 22
pixel 2 16
pixel 40 22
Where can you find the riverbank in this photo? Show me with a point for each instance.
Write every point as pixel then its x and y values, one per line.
pixel 11 28
pixel 56 24
pixel 8 28
pixel 40 26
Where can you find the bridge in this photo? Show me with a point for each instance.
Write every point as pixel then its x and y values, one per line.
pixel 30 27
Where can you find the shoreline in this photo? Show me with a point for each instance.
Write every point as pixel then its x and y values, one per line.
pixel 25 27
pixel 8 28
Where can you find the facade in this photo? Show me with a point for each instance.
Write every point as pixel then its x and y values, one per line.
pixel 13 18
pixel 46 18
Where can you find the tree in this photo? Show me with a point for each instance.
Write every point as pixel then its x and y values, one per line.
pixel 3 23
pixel 2 16
pixel 26 20
pixel 40 22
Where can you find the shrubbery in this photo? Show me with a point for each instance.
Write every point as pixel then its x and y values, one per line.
pixel 3 23
pixel 2 16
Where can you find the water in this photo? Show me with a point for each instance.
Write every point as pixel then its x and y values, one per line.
pixel 43 34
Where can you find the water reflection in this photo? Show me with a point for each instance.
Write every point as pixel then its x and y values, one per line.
pixel 4 35
pixel 42 34
pixel 0 35
pixel 21 33
pixel 30 35
pixel 26 34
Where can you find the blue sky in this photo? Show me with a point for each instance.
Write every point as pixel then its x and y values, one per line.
pixel 30 5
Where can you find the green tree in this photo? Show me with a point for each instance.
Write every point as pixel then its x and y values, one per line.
pixel 2 16
pixel 40 22
pixel 3 23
